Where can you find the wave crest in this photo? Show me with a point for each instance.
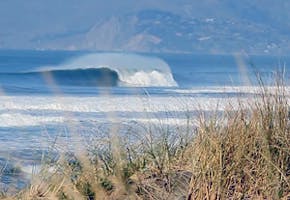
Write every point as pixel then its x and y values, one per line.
pixel 131 69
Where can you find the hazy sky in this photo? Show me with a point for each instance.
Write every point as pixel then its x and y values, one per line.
pixel 42 14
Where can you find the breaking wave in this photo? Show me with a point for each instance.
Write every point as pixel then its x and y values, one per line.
pixel 112 69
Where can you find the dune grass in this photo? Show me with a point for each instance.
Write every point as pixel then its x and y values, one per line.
pixel 245 154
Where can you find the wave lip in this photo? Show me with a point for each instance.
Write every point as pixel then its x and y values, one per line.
pixel 124 69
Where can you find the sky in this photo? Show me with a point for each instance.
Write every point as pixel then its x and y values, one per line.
pixel 44 15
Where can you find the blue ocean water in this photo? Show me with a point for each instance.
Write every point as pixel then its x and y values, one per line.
pixel 46 94
pixel 20 71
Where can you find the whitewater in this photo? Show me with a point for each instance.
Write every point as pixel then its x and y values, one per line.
pixel 47 96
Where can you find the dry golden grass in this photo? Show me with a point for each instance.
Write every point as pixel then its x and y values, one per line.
pixel 243 155
pixel 247 154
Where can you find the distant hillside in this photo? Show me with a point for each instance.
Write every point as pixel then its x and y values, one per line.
pixel 211 26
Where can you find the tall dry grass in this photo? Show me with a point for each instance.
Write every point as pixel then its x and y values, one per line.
pixel 243 155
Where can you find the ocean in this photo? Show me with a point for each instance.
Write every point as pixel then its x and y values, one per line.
pixel 53 101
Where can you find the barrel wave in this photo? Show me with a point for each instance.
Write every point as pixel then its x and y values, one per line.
pixel 112 69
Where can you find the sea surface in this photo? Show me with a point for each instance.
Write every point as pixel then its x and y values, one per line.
pixel 53 101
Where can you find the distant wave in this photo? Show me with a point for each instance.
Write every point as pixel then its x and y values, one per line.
pixel 112 69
